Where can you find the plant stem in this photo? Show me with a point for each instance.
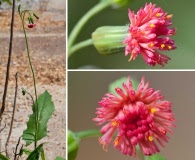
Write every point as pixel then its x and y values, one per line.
pixel 34 80
pixel 9 60
pixel 80 45
pixel 74 33
pixel 13 113
pixel 88 133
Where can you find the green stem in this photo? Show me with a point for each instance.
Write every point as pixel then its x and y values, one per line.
pixel 88 133
pixel 31 67
pixel 80 45
pixel 74 33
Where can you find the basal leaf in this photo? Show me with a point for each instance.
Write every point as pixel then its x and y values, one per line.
pixel 45 110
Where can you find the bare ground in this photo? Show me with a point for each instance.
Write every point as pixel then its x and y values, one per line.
pixel 47 45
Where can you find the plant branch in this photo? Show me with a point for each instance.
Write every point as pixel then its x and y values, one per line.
pixel 13 113
pixel 16 149
pixel 88 133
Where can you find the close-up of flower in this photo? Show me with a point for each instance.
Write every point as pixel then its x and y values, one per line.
pixel 139 117
pixel 149 33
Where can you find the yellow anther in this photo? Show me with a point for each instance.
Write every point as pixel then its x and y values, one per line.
pixel 116 142
pixel 162 45
pixel 150 138
pixel 151 44
pixel 152 110
pixel 169 47
pixel 157 14
pixel 169 16
pixel 152 25
pixel 114 123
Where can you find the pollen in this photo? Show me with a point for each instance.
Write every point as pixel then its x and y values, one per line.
pixel 150 138
pixel 116 142
pixel 169 16
pixel 151 44
pixel 114 123
pixel 169 47
pixel 152 110
pixel 162 45
pixel 157 14
pixel 152 25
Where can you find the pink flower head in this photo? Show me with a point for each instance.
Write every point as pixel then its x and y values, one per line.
pixel 31 25
pixel 140 117
pixel 148 33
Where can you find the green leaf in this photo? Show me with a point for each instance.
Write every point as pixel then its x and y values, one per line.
pixel 45 110
pixel 73 143
pixel 155 157
pixel 119 82
pixel 2 157
pixel 59 158
pixel 42 154
pixel 26 151
pixel 35 154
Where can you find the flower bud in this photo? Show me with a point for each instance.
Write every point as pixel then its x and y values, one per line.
pixel 108 39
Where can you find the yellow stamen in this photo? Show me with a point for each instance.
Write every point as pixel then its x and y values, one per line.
pixel 152 110
pixel 157 14
pixel 169 47
pixel 151 44
pixel 162 45
pixel 116 142
pixel 169 16
pixel 150 138
pixel 152 25
pixel 114 123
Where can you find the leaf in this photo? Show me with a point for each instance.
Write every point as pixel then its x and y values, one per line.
pixel 42 154
pixel 35 154
pixel 119 82
pixel 2 157
pixel 59 158
pixel 45 110
pixel 155 157
pixel 73 143
pixel 26 151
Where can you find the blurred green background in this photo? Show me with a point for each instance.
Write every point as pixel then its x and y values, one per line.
pixel 183 19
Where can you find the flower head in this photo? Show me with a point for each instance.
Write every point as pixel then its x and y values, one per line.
pixel 139 117
pixel 148 33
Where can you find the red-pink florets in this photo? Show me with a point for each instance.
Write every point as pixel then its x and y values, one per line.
pixel 139 117
pixel 148 33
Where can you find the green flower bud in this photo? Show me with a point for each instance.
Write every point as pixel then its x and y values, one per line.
pixel 73 143
pixel 117 3
pixel 109 39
